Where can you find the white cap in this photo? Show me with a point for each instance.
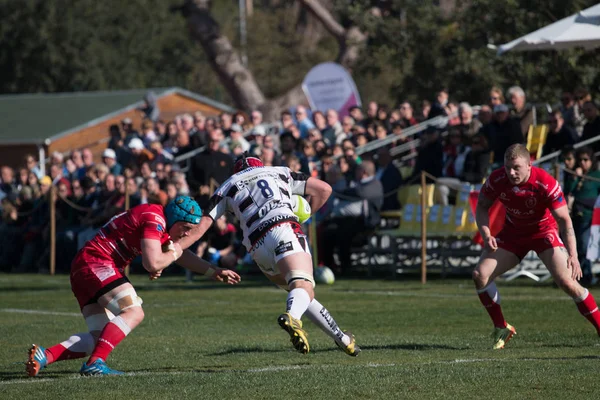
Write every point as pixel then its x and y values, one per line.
pixel 236 128
pixel 109 153
pixel 259 130
pixel 136 143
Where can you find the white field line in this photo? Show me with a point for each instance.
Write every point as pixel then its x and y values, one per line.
pixel 279 368
pixel 40 312
pixel 437 295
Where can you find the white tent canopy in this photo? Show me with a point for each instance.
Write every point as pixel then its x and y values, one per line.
pixel 578 30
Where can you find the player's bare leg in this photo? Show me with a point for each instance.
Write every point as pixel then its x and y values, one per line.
pixel 78 345
pixel 491 265
pixel 555 260
pixel 124 303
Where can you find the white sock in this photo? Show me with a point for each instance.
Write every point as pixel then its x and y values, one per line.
pixel 492 291
pixel 80 343
pixel 321 317
pixel 297 302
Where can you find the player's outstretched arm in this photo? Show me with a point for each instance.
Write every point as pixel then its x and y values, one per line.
pixel 196 233
pixel 482 219
pixel 154 259
pixel 567 234
pixel 191 261
pixel 319 191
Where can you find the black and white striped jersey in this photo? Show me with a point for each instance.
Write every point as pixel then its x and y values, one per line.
pixel 260 197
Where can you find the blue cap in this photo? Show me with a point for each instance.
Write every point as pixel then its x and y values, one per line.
pixel 182 208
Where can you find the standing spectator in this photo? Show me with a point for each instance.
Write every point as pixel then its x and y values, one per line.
pixel 210 164
pixel 584 192
pixel 390 179
pixel 469 126
pixel 439 107
pixel 502 133
pixel 334 127
pixel 430 155
pixel 109 157
pixel 520 109
pixel 304 123
pixel 592 127
pixel 150 108
pixel 582 96
pixel 560 135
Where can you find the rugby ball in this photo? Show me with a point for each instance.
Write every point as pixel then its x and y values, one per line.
pixel 301 208
pixel 324 275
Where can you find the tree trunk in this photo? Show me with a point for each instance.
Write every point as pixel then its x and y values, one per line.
pixel 238 80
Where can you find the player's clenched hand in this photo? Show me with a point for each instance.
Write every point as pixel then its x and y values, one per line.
pixel 491 244
pixel 573 264
pixel 226 276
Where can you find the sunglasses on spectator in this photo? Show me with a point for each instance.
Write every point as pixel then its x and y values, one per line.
pixel 494 98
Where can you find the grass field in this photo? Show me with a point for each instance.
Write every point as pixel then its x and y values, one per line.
pixel 208 341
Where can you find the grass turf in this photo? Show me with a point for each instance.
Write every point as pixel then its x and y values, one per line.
pixel 208 341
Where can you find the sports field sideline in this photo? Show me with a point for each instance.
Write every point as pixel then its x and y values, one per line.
pixel 205 340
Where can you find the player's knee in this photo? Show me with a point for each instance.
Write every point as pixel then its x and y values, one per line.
pixel 478 278
pixel 569 286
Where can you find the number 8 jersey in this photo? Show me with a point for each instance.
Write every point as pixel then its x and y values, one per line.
pixel 260 197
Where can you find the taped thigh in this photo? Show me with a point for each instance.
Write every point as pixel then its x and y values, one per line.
pixel 299 275
pixel 124 300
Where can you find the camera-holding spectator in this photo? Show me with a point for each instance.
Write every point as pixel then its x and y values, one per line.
pixel 592 126
pixel 560 135
pixel 520 109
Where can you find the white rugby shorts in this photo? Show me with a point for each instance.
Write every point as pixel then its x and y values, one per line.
pixel 279 242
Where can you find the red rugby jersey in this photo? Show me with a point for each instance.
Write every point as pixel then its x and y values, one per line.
pixel 527 205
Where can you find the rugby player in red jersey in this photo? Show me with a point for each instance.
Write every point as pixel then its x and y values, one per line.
pixel 534 204
pixel 109 304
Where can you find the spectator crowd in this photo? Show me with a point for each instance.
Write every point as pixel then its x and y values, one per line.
pixel 143 164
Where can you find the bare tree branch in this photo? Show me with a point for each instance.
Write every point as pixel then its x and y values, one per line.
pixel 322 14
